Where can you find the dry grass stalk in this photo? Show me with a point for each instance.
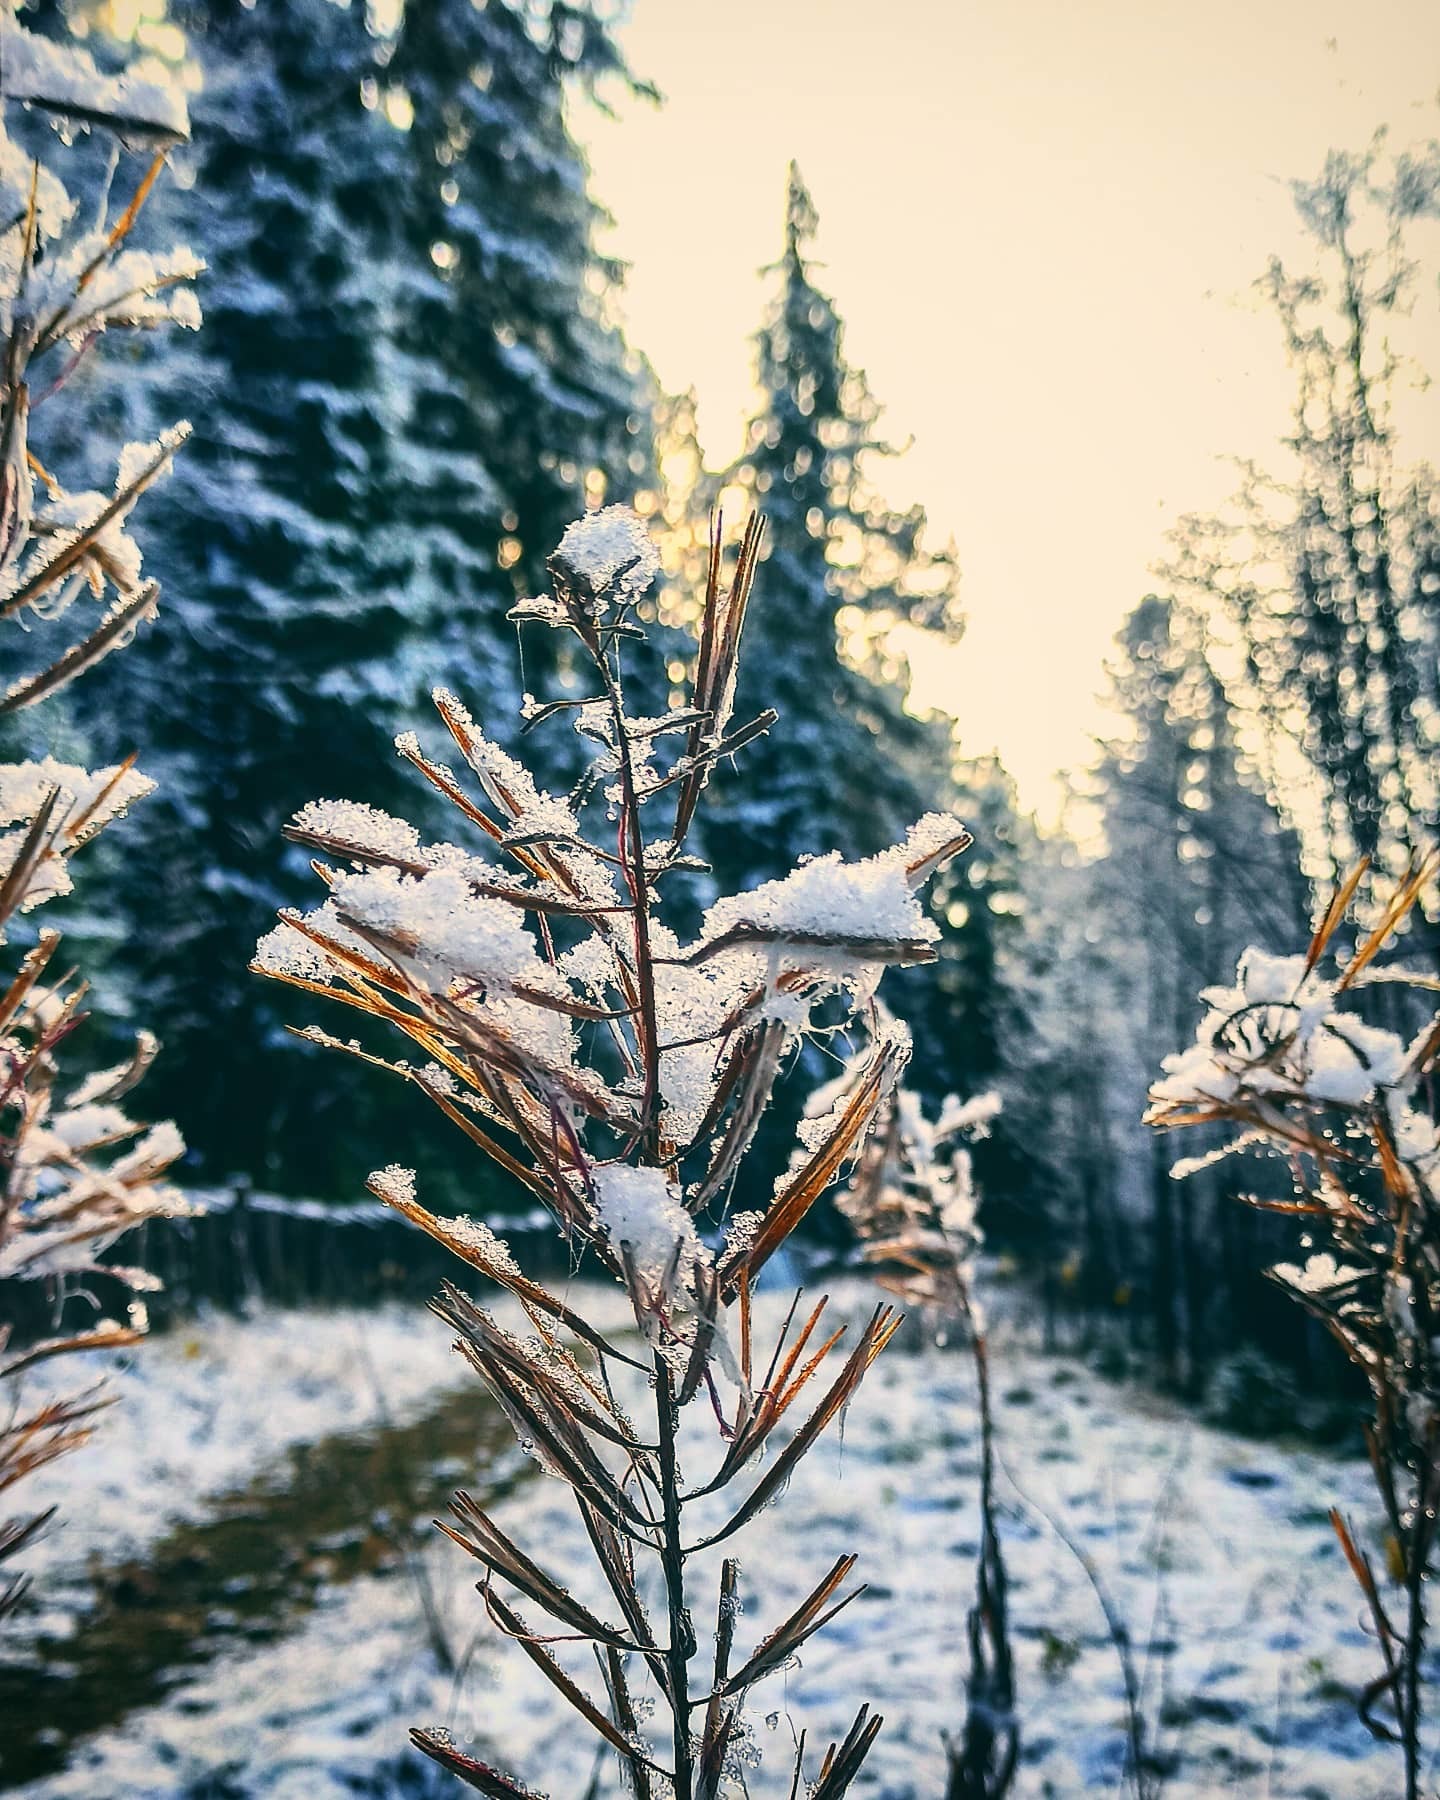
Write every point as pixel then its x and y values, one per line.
pixel 75 1172
pixel 1285 1063
pixel 620 1076
pixel 912 1204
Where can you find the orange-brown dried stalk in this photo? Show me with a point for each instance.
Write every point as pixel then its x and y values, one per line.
pixel 619 1075
pixel 75 1172
pixel 912 1205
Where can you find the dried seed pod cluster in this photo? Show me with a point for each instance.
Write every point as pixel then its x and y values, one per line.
pixel 620 1074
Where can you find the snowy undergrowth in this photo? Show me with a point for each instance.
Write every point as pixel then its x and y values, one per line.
pixel 1216 1548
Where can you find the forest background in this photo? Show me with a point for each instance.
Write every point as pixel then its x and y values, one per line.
pixel 416 369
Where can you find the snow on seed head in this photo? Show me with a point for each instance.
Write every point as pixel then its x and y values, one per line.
pixel 640 1210
pixel 612 552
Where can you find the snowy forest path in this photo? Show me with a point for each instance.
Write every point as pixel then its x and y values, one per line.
pixel 275 1641
pixel 350 1506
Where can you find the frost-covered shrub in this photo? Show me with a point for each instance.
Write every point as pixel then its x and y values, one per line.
pixel 619 1074
pixel 912 1204
pixel 75 1172
pixel 1283 1059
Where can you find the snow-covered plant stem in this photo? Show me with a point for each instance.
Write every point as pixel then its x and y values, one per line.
pixel 75 1173
pixel 1285 1063
pixel 912 1204
pixel 619 1075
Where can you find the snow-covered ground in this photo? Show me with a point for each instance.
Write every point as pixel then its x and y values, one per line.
pixel 199 1411
pixel 1216 1549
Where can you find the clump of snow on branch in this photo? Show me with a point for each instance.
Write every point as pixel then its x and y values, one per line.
pixel 611 551
pixel 77 804
pixel 872 904
pixel 63 79
pixel 1281 1032
pixel 640 1212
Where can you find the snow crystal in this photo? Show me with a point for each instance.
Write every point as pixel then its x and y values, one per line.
pixel 395 1184
pixel 927 837
pixel 161 1145
pixel 49 881
pixel 740 1233
pixel 285 952
pixel 508 784
pixel 1320 1274
pixel 135 287
pixel 446 930
pixel 475 1235
pixel 815 1128
pixel 54 208
pixel 353 822
pixel 825 897
pixel 1349 1060
pixel 611 548
pixel 1264 982
pixel 63 522
pixel 972 1117
pixel 690 1004
pixel 136 458
pixel 1414 1133
pixel 85 1127
pixel 24 788
pixel 118 1076
pixel 1275 1032
pixel 436 1079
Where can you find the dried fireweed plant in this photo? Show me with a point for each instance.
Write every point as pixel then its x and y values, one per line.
pixel 1286 1064
pixel 620 1075
pixel 913 1205
pixel 75 1172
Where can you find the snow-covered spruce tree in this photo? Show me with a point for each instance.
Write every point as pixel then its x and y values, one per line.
pixel 843 574
pixel 1284 1062
pixel 76 1173
pixel 913 1206
pixel 402 219
pixel 620 1074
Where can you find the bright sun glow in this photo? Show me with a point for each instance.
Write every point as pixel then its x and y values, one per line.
pixel 1042 232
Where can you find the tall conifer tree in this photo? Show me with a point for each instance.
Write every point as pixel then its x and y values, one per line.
pixel 847 762
pixel 411 387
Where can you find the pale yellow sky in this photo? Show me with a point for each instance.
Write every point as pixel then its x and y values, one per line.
pixel 1040 221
